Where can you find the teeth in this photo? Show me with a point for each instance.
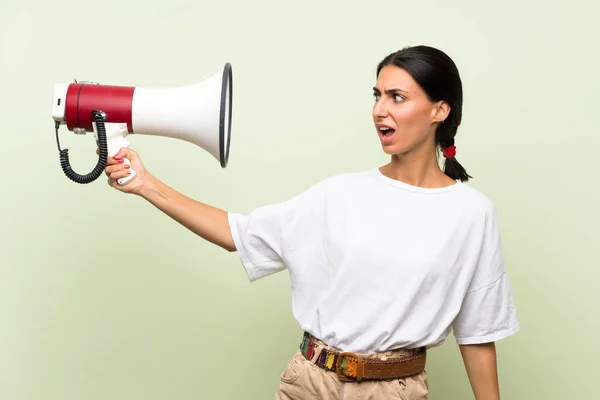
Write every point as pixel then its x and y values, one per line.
pixel 384 128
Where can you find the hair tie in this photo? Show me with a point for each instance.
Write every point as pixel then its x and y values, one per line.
pixel 449 152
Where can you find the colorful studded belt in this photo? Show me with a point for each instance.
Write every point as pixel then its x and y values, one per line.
pixel 353 367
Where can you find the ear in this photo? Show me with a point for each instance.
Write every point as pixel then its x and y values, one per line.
pixel 440 111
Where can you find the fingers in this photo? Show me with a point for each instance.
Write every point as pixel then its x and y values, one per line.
pixel 122 153
pixel 115 166
pixel 112 178
pixel 109 160
pixel 118 170
pixel 113 183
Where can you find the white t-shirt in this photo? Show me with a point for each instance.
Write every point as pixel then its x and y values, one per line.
pixel 377 264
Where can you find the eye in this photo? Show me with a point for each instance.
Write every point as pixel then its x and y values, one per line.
pixel 398 98
pixel 376 96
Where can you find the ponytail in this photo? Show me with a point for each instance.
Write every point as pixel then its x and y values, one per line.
pixel 445 137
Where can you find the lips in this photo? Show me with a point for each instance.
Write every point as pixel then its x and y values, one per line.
pixel 385 130
pixel 386 133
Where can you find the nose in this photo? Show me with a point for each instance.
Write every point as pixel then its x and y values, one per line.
pixel 380 109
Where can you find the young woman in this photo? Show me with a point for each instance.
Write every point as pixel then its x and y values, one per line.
pixel 384 263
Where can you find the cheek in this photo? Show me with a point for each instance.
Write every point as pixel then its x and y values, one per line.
pixel 411 116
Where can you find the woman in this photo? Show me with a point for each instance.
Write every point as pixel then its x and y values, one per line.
pixel 384 263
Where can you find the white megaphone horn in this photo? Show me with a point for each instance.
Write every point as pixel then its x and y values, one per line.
pixel 199 114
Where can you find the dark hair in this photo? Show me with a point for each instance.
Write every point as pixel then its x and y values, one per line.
pixel 438 76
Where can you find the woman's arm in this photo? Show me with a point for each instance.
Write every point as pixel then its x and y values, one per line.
pixel 480 364
pixel 206 221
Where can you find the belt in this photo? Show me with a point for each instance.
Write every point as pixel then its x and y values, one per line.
pixel 351 367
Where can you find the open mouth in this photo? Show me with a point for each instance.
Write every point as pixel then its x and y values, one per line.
pixel 385 131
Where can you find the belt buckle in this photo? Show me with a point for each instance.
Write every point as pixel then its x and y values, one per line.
pixel 352 370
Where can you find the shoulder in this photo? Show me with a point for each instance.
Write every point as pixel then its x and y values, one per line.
pixel 474 197
pixel 475 202
pixel 343 180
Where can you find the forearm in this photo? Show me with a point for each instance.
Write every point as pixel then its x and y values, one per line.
pixel 206 221
pixel 481 367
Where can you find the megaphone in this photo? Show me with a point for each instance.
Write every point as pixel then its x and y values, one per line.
pixel 199 113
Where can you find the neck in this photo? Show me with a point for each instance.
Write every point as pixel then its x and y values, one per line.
pixel 417 170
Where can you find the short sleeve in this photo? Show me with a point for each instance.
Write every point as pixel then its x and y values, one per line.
pixel 488 311
pixel 264 236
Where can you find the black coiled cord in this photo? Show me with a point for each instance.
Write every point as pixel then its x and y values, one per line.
pixel 103 153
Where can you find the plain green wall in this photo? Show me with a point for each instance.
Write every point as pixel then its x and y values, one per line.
pixel 91 308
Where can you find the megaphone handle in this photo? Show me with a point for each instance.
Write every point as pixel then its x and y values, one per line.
pixel 128 178
pixel 115 140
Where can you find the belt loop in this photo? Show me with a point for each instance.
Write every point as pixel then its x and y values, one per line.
pixel 316 353
pixel 316 349
pixel 360 368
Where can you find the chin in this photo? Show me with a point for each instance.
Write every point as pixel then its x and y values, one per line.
pixel 393 150
pixel 387 150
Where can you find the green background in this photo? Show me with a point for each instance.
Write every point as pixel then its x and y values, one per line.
pixel 103 297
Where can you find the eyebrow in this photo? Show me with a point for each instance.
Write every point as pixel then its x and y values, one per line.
pixel 390 91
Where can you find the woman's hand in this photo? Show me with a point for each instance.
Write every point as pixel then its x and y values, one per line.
pixel 116 169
